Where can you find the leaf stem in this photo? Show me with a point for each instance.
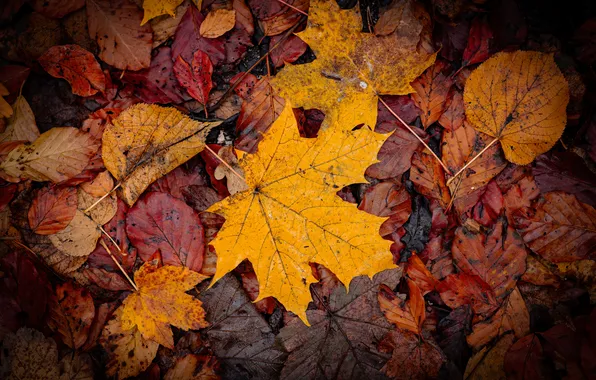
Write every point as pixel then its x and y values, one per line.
pixel 293 7
pixel 225 163
pixel 103 244
pixel 471 161
pixel 415 134
pixel 102 198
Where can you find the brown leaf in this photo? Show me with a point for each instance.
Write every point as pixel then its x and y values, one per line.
pixel 100 185
pixel 21 125
pixel 107 280
pixel 463 289
pixel 395 155
pixel 103 211
pixel 429 177
pixel 52 209
pixel 419 274
pixel 288 51
pixel 454 114
pixel 387 199
pixel 277 17
pixel 193 367
pixel 57 8
pixel 526 360
pixel 217 23
pixel 78 238
pixel 71 312
pixel 76 367
pixel 406 315
pixel 538 274
pixel 488 362
pixel 559 228
pixel 432 88
pixel 28 354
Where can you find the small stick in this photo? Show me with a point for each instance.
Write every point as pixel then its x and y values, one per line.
pixel 112 240
pixel 293 7
pixel 225 163
pixel 415 134
pixel 102 198
pixel 453 196
pixel 471 161
pixel 103 244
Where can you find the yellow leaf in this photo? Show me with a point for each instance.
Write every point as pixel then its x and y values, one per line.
pixel 161 301
pixel 21 125
pixel 154 8
pixel 519 98
pixel 146 142
pixel 291 216
pixel 217 23
pixel 57 155
pixel 351 68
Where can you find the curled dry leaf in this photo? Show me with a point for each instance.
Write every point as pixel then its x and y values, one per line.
pixel 161 222
pixel 154 8
pixel 71 311
pixel 408 315
pixel 78 238
pixel 57 155
pixel 528 97
pixel 28 354
pixel 432 89
pixel 161 301
pixel 52 209
pixel 559 228
pixel 21 125
pixel 196 78
pixel 77 66
pixel 116 26
pixel 129 353
pixel 146 142
pixel 217 23
pixel 291 216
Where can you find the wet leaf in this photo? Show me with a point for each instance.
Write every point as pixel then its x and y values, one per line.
pixel 217 23
pixel 291 216
pixel 288 52
pixel 71 312
pixel 146 142
pixel 528 94
pixel 77 66
pixel 52 209
pixel 196 78
pixel 488 362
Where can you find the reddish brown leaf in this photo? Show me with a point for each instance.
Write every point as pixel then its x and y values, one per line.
pixel 489 207
pixel 520 195
pixel 479 41
pixel 259 110
pixel 13 77
pixel 498 258
pixel 251 286
pixel 420 275
pixel 57 8
pixel 464 289
pixel 196 78
pixel 403 106
pixel 107 280
pixel 391 200
pixel 395 155
pixel 288 51
pixel 429 177
pixel 454 115
pixel 559 228
pixel 526 360
pixel 408 315
pixel 52 209
pixel 432 88
pixel 309 121
pixel 160 221
pixel 71 312
pixel 538 274
pixel 275 17
pixel 178 180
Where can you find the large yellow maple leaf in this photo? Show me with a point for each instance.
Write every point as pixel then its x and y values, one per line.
pixel 291 215
pixel 352 68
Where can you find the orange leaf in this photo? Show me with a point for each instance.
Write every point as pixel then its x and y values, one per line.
pixel 217 23
pixel 432 88
pixel 52 209
pixel 464 289
pixel 419 274
pixel 429 177
pixel 407 315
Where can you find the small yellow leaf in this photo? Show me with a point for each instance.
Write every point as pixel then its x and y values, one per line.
pixel 519 98
pixel 154 8
pixel 161 301
pixel 291 215
pixel 217 23
pixel 146 142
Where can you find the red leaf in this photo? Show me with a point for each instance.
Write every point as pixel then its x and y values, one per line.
pixel 107 280
pixel 275 17
pixel 77 66
pixel 160 221
pixel 71 313
pixel 180 179
pixel 479 41
pixel 288 51
pixel 463 289
pixel 489 207
pixel 52 209
pixel 196 79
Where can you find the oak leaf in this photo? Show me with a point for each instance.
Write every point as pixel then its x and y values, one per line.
pixel 52 209
pixel 291 216
pixel 217 23
pixel 154 8
pixel 519 98
pixel 21 125
pixel 77 66
pixel 146 142
pixel 71 312
pixel 161 301
pixel 352 68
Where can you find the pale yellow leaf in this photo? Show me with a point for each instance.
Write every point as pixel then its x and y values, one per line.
pixel 78 238
pixel 217 23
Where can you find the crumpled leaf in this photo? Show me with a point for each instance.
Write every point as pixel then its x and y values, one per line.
pixel 21 125
pixel 525 107
pixel 116 26
pixel 351 68
pixel 240 337
pixel 217 23
pixel 559 228
pixel 160 221
pixel 196 78
pixel 28 354
pixel 71 311
pixel 77 66
pixel 52 209
pixel 154 8
pixel 161 301
pixel 291 216
pixel 57 155
pixel 343 337
pixel 129 352
pixel 146 142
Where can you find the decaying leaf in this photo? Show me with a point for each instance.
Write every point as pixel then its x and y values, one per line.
pixel 519 98
pixel 78 238
pixel 71 313
pixel 291 216
pixel 161 301
pixel 154 8
pixel 193 367
pixel 146 142
pixel 57 155
pixel 28 354
pixel 52 209
pixel 351 68
pixel 217 23
pixel 21 125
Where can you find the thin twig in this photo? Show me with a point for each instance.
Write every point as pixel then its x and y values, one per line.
pixel 471 161
pixel 102 198
pixel 415 134
pixel 103 244
pixel 453 196
pixel 225 163
pixel 293 7
pixel 122 253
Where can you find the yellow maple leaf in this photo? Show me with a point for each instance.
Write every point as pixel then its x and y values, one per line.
pixel 154 8
pixel 146 142
pixel 351 68
pixel 520 99
pixel 291 215
pixel 161 301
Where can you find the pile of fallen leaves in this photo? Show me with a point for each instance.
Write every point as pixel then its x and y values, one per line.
pixel 248 189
